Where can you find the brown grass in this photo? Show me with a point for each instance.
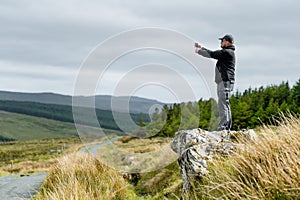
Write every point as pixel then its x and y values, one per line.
pixel 27 167
pixel 268 168
pixel 34 156
pixel 80 176
pixel 137 155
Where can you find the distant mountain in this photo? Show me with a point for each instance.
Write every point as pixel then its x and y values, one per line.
pixel 103 102
pixel 48 98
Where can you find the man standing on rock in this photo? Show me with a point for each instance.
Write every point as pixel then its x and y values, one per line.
pixel 224 76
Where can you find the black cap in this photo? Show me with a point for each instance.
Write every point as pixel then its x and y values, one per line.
pixel 227 37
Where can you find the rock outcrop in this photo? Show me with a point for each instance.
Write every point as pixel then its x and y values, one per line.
pixel 195 147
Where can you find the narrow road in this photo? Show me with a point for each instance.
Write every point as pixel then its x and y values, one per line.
pixel 93 148
pixel 17 187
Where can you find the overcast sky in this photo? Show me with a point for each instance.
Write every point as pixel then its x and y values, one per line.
pixel 43 43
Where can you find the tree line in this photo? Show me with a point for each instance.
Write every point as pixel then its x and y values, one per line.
pixel 250 109
pixel 5 139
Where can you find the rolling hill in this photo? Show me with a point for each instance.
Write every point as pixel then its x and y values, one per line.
pixel 15 126
pixel 102 102
pixel 59 107
pixel 64 113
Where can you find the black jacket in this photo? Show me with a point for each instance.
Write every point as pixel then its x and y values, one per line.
pixel 225 67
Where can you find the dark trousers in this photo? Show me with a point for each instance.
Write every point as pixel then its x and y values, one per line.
pixel 224 89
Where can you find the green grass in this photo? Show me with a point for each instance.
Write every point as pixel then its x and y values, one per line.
pixel 161 183
pixel 23 127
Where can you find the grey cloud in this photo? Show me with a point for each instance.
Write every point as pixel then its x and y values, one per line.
pixel 62 33
pixel 59 34
pixel 255 21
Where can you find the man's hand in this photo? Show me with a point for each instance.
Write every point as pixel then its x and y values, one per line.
pixel 197 47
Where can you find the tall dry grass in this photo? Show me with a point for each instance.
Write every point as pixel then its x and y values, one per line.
pixel 82 177
pixel 267 168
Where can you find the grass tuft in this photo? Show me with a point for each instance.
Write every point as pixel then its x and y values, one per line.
pixel 80 176
pixel 267 168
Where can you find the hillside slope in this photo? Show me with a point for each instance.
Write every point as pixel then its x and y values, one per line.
pixel 24 127
pixel 65 113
